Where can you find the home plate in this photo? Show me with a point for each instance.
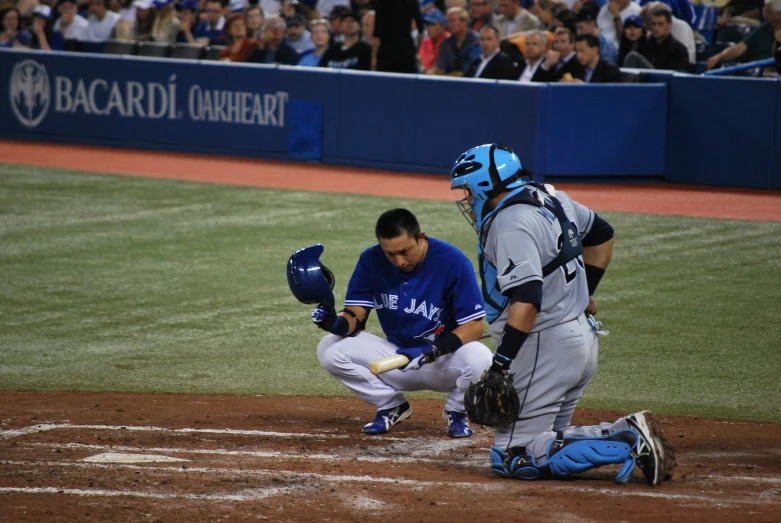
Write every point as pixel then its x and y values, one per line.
pixel 115 457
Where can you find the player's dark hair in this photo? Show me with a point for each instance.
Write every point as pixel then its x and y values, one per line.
pixel 394 223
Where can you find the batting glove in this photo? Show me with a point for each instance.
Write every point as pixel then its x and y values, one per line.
pixel 418 356
pixel 324 316
pixel 596 326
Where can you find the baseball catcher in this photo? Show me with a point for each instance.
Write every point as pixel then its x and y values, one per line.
pixel 541 257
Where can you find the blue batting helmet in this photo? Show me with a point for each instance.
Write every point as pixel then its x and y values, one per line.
pixel 310 281
pixel 484 172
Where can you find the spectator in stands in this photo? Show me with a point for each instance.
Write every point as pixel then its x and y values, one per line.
pixel 273 47
pixel 40 30
pixel 69 27
pixel 167 24
pixel 393 48
pixel 595 70
pixel 337 36
pixel 139 29
pixel 566 18
pixel 743 12
pixel 759 44
pixel 297 35
pixel 353 53
pixel 681 30
pixel 546 11
pixel 481 11
pixel 663 50
pixel 463 4
pixel 367 26
pixel 493 63
pixel 586 24
pixel 320 38
pixel 255 20
pixel 460 49
pixel 210 31
pixel 186 13
pixel 634 40
pixel 434 19
pixel 515 19
pixel 101 22
pixel 681 9
pixel 610 19
pixel 561 60
pixel 531 69
pixel 240 47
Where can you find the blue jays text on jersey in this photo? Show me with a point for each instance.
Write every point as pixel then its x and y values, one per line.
pixel 415 308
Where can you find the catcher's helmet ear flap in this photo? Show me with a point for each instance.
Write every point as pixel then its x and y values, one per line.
pixel 309 280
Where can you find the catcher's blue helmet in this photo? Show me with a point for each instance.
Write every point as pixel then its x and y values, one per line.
pixel 310 281
pixel 484 172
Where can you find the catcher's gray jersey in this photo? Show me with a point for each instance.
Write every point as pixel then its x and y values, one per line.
pixel 522 239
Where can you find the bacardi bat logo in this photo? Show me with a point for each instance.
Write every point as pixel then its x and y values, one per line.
pixel 29 92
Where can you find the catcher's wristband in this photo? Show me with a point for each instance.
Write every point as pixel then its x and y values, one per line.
pixel 593 276
pixel 512 340
pixel 448 344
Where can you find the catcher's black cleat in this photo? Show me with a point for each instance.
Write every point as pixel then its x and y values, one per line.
pixel 654 456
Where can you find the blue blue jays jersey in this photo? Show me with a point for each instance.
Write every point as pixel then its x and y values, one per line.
pixel 415 308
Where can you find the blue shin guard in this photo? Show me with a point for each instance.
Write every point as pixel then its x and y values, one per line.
pixel 568 456
pixel 579 454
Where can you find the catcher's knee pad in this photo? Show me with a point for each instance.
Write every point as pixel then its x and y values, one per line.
pixel 570 455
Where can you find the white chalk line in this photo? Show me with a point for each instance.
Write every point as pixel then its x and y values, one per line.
pixel 473 462
pixel 250 495
pixel 331 478
pixel 4 434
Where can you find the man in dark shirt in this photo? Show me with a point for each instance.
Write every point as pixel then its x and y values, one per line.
pixel 273 47
pixel 353 53
pixel 393 48
pixel 461 48
pixel 595 70
pixel 493 63
pixel 663 50
pixel 758 45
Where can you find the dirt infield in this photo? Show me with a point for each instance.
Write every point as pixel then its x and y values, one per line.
pixel 179 458
pixel 242 458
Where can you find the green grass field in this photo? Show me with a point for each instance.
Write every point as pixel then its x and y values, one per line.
pixel 111 283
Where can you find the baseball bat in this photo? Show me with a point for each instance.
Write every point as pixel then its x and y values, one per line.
pixel 385 364
pixel 397 361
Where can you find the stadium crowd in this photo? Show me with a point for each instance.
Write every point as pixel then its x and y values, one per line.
pixel 578 41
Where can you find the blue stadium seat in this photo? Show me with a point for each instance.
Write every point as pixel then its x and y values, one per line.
pixel 705 20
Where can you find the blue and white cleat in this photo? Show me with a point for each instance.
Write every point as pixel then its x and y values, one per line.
pixel 387 418
pixel 457 424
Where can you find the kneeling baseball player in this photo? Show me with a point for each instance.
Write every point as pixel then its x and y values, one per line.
pixel 431 311
pixel 542 255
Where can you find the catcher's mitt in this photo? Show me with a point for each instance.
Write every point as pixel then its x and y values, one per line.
pixel 492 401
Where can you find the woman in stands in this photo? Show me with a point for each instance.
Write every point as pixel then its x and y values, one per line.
pixel 12 35
pixel 320 37
pixel 240 46
pixel 167 24
pixel 41 29
pixel 634 39
pixel 255 21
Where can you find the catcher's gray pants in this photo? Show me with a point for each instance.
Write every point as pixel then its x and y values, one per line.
pixel 551 372
pixel 347 359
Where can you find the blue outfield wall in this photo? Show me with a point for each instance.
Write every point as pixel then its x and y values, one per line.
pixel 677 128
